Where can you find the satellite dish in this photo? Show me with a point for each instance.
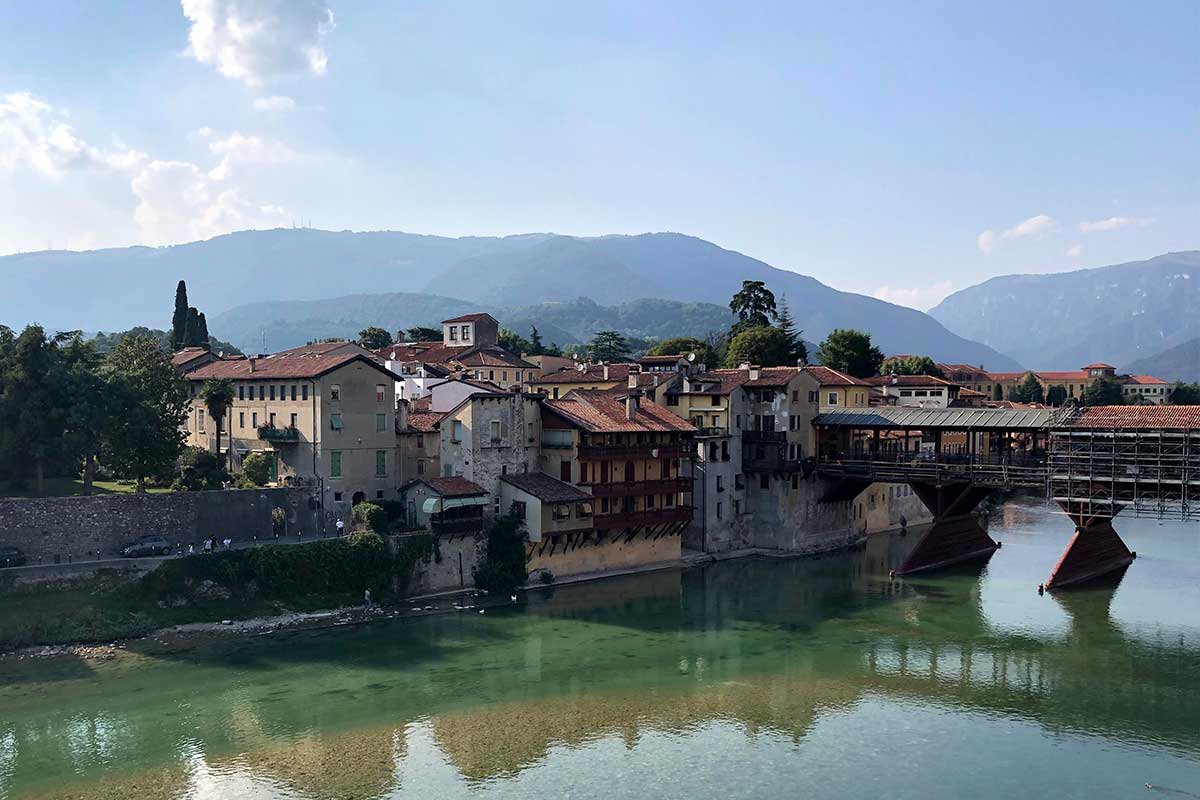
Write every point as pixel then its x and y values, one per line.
pixel 691 357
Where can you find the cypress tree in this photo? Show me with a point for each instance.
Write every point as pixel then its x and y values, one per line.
pixel 191 328
pixel 202 336
pixel 180 317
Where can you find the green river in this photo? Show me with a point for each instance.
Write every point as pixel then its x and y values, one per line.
pixel 798 678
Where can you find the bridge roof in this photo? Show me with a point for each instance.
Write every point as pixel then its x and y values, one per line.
pixel 931 419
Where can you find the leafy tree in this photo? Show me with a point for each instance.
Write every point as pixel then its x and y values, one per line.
pixel 1056 395
pixel 1185 394
pixel 536 347
pixel 1104 391
pixel 850 351
pixel 256 468
pixel 217 394
pixel 754 306
pixel 512 341
pixel 503 567
pixel 420 333
pixel 372 515
pixel 787 327
pixel 146 436
pixel 199 471
pixel 608 346
pixel 911 365
pixel 682 345
pixel 36 407
pixel 179 318
pixel 374 338
pixel 1030 390
pixel 765 346
pixel 87 404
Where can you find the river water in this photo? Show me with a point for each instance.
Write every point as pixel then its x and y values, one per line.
pixel 803 678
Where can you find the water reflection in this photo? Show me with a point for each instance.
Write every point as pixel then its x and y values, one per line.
pixel 645 675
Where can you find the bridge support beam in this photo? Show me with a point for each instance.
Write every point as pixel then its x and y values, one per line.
pixel 955 536
pixel 1095 551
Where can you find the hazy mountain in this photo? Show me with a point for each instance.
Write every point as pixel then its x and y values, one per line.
pixel 115 289
pixel 1116 314
pixel 1179 363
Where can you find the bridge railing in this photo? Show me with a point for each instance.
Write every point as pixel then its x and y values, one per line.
pixel 990 470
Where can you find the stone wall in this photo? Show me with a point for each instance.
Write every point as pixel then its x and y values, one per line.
pixel 791 519
pixel 460 555
pixel 611 554
pixel 62 529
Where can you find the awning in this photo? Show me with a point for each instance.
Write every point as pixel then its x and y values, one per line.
pixel 434 505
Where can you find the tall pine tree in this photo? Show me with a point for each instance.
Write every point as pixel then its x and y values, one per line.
pixel 202 330
pixel 179 318
pixel 787 326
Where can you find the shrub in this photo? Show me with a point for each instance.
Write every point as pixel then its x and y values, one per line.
pixel 198 470
pixel 256 468
pixel 546 577
pixel 372 516
pixel 503 567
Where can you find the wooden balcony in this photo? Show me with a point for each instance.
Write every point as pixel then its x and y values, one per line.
pixel 622 489
pixel 635 451
pixel 641 519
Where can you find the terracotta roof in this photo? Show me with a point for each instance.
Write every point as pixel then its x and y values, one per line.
pixel 617 373
pixel 187 354
pixel 964 372
pixel 908 380
pixel 827 376
pixel 321 349
pixel 965 393
pixel 1145 380
pixel 546 488
pixel 1070 375
pixel 728 380
pixel 1006 376
pixel 456 486
pixel 311 366
pixel 1146 417
pixel 663 359
pixel 773 376
pixel 1099 365
pixel 424 421
pixel 603 412
pixel 486 386
pixel 470 318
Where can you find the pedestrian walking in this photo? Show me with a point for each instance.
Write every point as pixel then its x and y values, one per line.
pixel 228 543
pixel 367 598
pixel 341 526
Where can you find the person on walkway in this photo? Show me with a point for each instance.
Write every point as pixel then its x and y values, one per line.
pixel 341 527
pixel 367 598
pixel 207 547
pixel 228 543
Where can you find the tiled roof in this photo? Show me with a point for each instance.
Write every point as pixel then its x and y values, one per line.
pixel 602 412
pixel 663 359
pixel 1144 380
pixel 617 373
pixel 729 379
pixel 1145 417
pixel 486 386
pixel 468 355
pixel 322 349
pixel 546 488
pixel 1070 375
pixel 456 486
pixel 964 372
pixel 1099 365
pixel 965 393
pixel 958 419
pixel 908 380
pixel 424 421
pixel 187 354
pixel 470 318
pixel 310 366
pixel 827 376
pixel 773 376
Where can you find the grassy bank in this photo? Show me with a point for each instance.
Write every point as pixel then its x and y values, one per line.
pixel 72 487
pixel 238 584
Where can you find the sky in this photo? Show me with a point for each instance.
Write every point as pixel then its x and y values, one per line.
pixel 901 150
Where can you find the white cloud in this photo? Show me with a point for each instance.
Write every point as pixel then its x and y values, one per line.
pixel 274 103
pixel 241 149
pixel 33 134
pixel 919 297
pixel 1034 226
pixel 1075 250
pixel 179 202
pixel 1113 223
pixel 256 40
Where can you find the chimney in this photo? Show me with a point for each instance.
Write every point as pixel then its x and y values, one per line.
pixel 399 337
pixel 632 404
pixel 605 370
pixel 632 380
pixel 252 361
pixel 755 371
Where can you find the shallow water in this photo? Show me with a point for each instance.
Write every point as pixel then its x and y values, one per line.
pixel 764 678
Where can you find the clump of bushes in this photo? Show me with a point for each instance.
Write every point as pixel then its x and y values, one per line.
pixel 371 515
pixel 199 470
pixel 256 471
pixel 503 567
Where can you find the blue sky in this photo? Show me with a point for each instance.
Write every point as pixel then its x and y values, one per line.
pixel 902 150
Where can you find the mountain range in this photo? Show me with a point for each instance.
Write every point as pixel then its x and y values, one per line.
pixel 1117 314
pixel 1180 363
pixel 117 288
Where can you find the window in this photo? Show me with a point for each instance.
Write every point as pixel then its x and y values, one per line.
pixel 293 391
pixel 718 510
pixel 906 392
pixel 764 482
pixel 241 419
pixel 456 431
pixel 564 471
pixel 380 463
pixel 380 422
pixel 335 464
pixel 379 494
pixel 561 511
pixel 519 509
pixel 555 396
pixel 466 333
pixel 583 510
pixel 494 431
pixel 504 376
pixel 739 481
pixel 200 420
pixel 420 466
pixel 272 391
pixel 337 497
pixel 453 333
pixel 795 482
pixel 737 508
pixel 421 441
pixel 292 422
pixel 812 396
pixel 254 419
pixel 491 374
pixel 833 398
pixel 335 422
pixel 304 392
pixel 720 483
pixel 672 399
pixel 271 419
pixel 380 393
pixel 335 392
pixel 241 391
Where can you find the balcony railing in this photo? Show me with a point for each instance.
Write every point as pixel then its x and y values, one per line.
pixel 764 437
pixel 269 433
pixel 458 525
pixel 635 519
pixel 708 433
pixel 622 489
pixel 606 452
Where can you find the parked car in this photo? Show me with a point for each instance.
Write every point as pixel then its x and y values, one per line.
pixel 11 557
pixel 147 546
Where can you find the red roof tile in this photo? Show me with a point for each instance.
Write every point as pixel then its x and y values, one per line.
pixel 470 318
pixel 827 376
pixel 1144 380
pixel 424 421
pixel 908 380
pixel 455 486
pixel 546 488
pixel 598 411
pixel 617 373
pixel 1099 365
pixel 187 354
pixel 1144 417
pixel 311 366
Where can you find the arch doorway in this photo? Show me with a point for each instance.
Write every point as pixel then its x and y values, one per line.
pixel 358 497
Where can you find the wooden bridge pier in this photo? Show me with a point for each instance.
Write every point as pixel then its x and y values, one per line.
pixel 955 535
pixel 1095 550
